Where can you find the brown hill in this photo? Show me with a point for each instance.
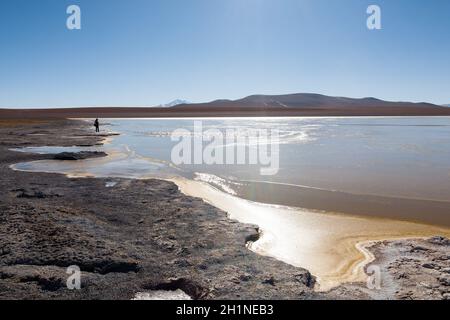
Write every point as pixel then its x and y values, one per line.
pixel 302 104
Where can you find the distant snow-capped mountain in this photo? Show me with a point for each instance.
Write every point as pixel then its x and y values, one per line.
pixel 173 103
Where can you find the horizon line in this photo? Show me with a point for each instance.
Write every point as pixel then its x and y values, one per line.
pixel 445 104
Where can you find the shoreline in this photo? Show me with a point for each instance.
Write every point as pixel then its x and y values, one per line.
pixel 344 265
pixel 263 256
pixel 354 272
pixel 352 275
pixel 165 241
pixel 238 110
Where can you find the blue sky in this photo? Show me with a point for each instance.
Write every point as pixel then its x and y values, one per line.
pixel 147 52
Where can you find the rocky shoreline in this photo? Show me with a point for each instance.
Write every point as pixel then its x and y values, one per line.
pixel 416 269
pixel 133 236
pixel 137 236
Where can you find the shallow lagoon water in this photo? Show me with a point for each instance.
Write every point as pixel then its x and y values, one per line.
pixel 388 166
pixel 390 156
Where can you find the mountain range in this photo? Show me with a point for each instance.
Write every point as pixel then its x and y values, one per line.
pixel 305 101
pixel 299 104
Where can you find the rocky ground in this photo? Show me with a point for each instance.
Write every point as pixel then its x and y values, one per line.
pixel 408 270
pixel 135 236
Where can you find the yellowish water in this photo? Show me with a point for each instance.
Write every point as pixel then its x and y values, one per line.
pixel 330 246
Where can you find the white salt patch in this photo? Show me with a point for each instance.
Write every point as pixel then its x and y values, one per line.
pixel 162 295
pixel 110 184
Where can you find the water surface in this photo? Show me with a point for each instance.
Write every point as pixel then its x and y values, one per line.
pixel 342 183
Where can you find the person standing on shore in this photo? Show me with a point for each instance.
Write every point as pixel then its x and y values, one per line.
pixel 97 125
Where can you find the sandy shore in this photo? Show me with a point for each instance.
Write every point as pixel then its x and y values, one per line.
pixel 153 246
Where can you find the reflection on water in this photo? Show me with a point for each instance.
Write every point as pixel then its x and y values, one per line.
pixel 121 162
pixel 330 246
pixel 356 155
pixel 377 166
pixel 398 165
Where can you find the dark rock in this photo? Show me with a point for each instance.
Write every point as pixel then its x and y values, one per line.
pixel 102 267
pixel 306 278
pixel 270 281
pixel 73 156
pixel 245 277
pixel 4 251
pixel 440 241
pixel 419 248
pixel 183 263
pixel 46 284
pixel 444 280
pixel 402 275
pixel 406 295
pixel 29 194
pixel 184 252
pixel 253 237
pixel 446 270
pixel 430 266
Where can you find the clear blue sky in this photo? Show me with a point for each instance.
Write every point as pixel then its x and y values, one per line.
pixel 147 52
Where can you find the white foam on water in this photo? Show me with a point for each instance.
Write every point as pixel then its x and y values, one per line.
pixel 217 181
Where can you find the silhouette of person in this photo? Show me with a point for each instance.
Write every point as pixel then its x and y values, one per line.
pixel 97 125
